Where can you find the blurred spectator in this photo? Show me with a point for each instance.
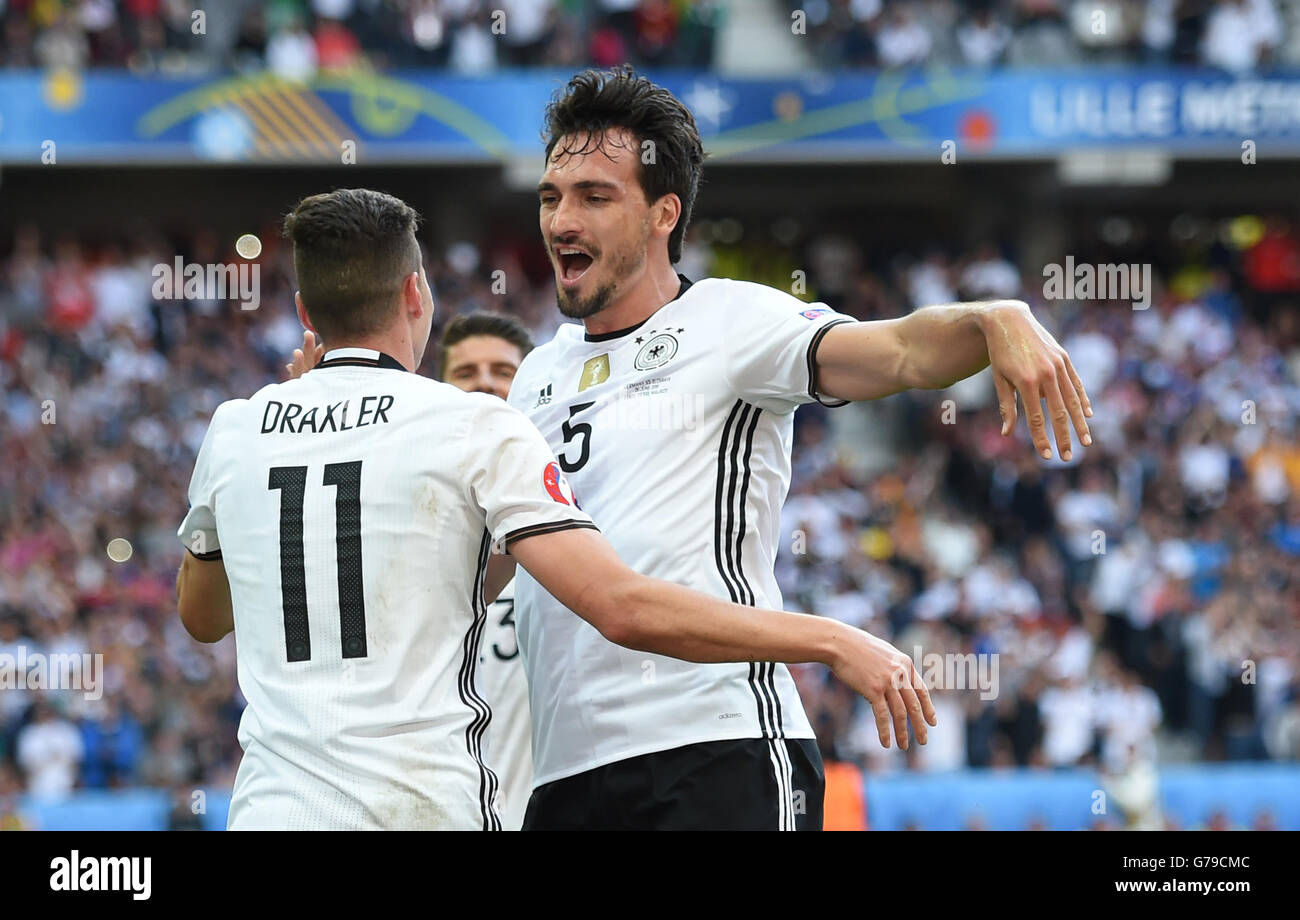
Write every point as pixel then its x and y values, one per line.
pixel 1128 717
pixel 336 48
pixel 183 815
pixel 1068 718
pixel 1040 38
pixel 1272 265
pixel 982 37
pixel 656 31
pixel 1133 785
pixel 1241 34
pixel 1159 28
pixel 989 275
pixel 291 53
pixel 112 742
pixel 63 44
pixel 50 751
pixel 473 47
pixel 901 41
pixel 529 28
pixel 12 817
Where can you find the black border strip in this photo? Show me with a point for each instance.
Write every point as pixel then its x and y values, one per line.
pixel 812 363
pixel 465 686
pixel 535 529
pixel 717 502
pixel 353 361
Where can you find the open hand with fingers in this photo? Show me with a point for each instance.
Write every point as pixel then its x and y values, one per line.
pixel 306 357
pixel 890 682
pixel 1027 360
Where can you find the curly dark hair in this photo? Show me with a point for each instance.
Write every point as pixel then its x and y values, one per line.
pixel 352 249
pixel 595 101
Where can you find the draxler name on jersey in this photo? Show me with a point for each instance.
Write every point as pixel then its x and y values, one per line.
pixel 293 419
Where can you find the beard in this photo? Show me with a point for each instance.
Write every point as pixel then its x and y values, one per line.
pixel 576 306
pixel 623 265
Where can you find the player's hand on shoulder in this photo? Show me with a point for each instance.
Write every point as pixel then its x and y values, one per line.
pixel 890 682
pixel 306 357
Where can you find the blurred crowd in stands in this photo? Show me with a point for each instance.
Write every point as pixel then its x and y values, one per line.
pixel 1240 36
pixel 1139 604
pixel 295 38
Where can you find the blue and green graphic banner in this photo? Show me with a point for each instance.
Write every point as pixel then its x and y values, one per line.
pixel 416 117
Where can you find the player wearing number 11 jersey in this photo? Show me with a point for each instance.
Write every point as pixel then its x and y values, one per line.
pixel 341 525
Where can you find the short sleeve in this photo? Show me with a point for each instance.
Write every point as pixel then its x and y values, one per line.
pixel 516 480
pixel 198 532
pixel 771 349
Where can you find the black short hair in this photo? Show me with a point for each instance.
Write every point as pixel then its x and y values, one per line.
pixel 498 325
pixel 352 250
pixel 595 101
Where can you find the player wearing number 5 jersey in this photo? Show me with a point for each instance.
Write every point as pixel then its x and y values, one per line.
pixel 670 408
pixel 341 525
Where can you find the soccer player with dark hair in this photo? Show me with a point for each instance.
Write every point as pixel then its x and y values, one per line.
pixel 340 524
pixel 480 354
pixel 701 745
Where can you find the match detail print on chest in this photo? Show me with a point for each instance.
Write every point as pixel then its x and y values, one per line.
pixel 655 348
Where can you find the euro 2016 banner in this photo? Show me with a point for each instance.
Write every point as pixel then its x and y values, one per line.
pixel 62 116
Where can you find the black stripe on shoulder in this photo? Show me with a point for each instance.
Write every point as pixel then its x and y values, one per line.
pixel 812 363
pixel 536 529
pixel 213 556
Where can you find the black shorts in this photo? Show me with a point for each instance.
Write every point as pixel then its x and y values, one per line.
pixel 750 784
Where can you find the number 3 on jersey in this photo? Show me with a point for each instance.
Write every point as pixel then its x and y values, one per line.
pixel 291 482
pixel 581 430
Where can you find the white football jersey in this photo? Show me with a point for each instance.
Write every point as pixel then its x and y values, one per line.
pixel 505 687
pixel 676 436
pixel 355 510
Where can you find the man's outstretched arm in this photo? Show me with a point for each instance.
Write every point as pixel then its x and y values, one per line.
pixel 935 347
pixel 581 570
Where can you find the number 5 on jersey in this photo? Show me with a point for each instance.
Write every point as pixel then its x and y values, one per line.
pixel 583 430
pixel 291 482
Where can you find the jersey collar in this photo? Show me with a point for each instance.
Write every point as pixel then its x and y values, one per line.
pixel 358 357
pixel 619 333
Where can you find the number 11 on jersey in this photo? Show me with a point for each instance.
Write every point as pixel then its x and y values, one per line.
pixel 291 482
